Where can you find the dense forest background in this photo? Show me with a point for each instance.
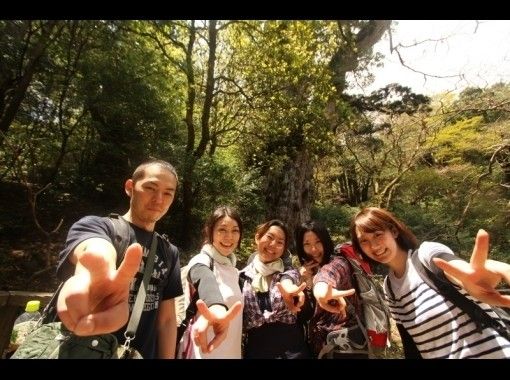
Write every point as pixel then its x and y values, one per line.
pixel 253 114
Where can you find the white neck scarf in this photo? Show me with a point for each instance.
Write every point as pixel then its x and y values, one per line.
pixel 260 282
pixel 229 260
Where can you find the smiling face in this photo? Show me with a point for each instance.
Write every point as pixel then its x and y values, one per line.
pixel 151 196
pixel 380 236
pixel 379 245
pixel 226 235
pixel 271 245
pixel 313 247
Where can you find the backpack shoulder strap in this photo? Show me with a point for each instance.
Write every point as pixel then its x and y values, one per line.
pixel 121 235
pixel 191 310
pixel 435 278
pixel 204 255
pixel 387 284
pixel 410 349
pixel 347 250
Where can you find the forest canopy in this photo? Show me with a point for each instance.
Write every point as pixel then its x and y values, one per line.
pixel 255 114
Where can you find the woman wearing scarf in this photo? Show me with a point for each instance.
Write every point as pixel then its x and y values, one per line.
pixel 272 299
pixel 218 288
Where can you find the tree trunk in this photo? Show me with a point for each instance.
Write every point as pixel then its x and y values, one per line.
pixel 289 193
pixel 187 208
pixel 13 95
pixel 195 154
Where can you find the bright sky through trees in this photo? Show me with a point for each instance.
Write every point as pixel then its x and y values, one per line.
pixel 472 53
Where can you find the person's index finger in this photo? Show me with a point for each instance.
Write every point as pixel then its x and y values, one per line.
pixel 449 269
pixel 480 250
pixel 204 310
pixel 342 293
pixel 503 300
pixel 95 264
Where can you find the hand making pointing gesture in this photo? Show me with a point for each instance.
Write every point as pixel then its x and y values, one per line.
pixel 292 294
pixel 480 276
pixel 95 299
pixel 217 317
pixel 331 299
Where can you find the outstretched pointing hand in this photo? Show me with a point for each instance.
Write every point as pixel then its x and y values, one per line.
pixel 480 276
pixel 216 317
pixel 331 299
pixel 292 295
pixel 95 299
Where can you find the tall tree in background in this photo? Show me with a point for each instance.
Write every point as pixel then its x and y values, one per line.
pixel 129 101
pixel 191 48
pixel 297 82
pixel 385 135
pixel 23 45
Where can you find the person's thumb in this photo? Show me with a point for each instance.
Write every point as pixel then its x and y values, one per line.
pixel 130 264
pixel 300 288
pixel 342 293
pixel 234 310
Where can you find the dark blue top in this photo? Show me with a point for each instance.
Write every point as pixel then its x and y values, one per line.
pixel 165 282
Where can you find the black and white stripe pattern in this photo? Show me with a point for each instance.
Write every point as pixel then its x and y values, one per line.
pixel 439 328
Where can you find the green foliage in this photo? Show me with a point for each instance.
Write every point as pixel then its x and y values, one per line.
pixel 432 203
pixel 461 141
pixel 428 224
pixel 289 78
pixel 336 218
pixel 130 114
pixel 491 103
pixel 107 94
pixel 392 99
pixel 436 224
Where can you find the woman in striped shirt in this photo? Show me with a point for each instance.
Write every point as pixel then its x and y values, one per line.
pixel 431 326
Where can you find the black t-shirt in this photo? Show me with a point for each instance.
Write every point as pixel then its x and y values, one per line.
pixel 165 282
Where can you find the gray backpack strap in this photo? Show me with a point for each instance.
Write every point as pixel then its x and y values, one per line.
pixel 134 319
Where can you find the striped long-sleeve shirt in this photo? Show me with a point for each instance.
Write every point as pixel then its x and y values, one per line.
pixel 439 328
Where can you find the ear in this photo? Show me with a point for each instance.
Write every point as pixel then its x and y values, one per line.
pixel 394 232
pixel 128 187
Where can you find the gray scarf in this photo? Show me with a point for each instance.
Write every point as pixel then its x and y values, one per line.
pixel 229 260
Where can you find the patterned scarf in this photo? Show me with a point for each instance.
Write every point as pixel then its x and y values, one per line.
pixel 260 282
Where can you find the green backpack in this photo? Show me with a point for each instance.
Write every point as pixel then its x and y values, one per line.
pixel 54 341
pixel 50 339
